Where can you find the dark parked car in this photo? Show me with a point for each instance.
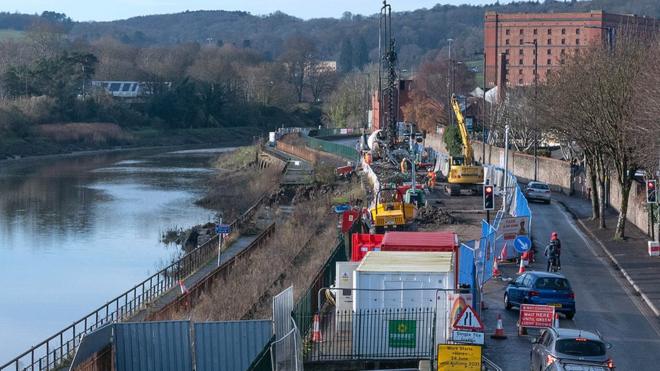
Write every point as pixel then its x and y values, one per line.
pixel 562 349
pixel 541 288
pixel 538 191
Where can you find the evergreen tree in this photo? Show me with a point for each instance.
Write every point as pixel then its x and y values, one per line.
pixel 360 53
pixel 346 56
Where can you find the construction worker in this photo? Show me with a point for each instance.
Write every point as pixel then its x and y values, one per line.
pixel 404 166
pixel 553 251
pixel 431 181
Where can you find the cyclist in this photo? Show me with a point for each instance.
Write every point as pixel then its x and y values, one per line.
pixel 553 251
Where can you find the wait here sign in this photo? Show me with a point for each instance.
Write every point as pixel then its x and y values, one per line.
pixel 536 316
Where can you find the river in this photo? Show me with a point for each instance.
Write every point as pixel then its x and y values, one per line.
pixel 76 231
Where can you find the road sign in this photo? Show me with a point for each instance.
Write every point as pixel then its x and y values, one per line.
pixel 468 337
pixel 223 228
pixel 522 244
pixel 513 226
pixel 454 357
pixel 468 320
pixel 536 316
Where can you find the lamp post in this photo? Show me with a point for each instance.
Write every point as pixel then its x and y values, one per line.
pixel 536 88
pixel 450 120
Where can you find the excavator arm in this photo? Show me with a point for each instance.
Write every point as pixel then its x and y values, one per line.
pixel 465 138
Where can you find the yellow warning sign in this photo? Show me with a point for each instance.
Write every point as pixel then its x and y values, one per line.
pixel 453 357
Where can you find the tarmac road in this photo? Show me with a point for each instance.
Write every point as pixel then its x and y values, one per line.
pixel 604 300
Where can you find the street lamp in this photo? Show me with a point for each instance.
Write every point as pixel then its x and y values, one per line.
pixel 450 120
pixel 536 88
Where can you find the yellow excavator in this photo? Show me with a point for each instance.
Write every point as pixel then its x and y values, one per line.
pixel 464 172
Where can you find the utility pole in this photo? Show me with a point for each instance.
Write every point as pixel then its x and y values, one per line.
pixel 450 118
pixel 505 207
pixel 536 89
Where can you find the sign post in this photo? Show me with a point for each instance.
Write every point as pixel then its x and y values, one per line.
pixel 221 230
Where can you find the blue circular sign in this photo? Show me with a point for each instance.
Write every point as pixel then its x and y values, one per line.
pixel 522 244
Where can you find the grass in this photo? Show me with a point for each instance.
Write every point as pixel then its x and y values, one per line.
pixel 237 159
pixel 86 133
pixel 479 76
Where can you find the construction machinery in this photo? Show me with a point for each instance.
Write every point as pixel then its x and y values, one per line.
pixel 464 172
pixel 391 211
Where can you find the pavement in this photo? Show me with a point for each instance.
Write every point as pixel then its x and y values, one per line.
pixel 605 300
pixel 629 256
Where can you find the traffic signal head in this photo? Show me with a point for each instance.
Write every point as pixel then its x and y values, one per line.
pixel 651 191
pixel 489 197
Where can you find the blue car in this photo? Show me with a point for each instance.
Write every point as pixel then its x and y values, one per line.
pixel 541 288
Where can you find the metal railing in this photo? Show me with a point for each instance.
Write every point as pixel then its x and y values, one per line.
pixel 59 348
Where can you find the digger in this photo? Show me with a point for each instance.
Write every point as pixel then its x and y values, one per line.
pixel 391 212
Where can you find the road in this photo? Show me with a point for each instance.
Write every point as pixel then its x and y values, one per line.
pixel 604 300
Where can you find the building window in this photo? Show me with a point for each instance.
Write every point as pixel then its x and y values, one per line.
pixel 506 51
pixel 520 81
pixel 521 52
pixel 562 61
pixel 520 71
pixel 577 31
pixel 521 31
pixel 508 32
pixel 549 41
pixel 535 31
pixel 506 41
pixel 534 50
pixel 549 31
pixel 577 41
pixel 549 61
pixel 563 51
pixel 520 42
pixel 520 61
pixel 563 41
pixel 549 51
pixel 563 31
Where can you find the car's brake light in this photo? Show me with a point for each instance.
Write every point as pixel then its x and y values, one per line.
pixel 534 293
pixel 571 295
pixel 549 360
pixel 580 339
pixel 610 363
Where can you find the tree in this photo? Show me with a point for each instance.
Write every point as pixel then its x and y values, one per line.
pixel 348 104
pixel 346 56
pixel 360 53
pixel 299 57
pixel 427 113
pixel 452 139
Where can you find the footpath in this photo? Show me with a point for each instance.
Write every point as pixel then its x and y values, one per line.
pixel 629 256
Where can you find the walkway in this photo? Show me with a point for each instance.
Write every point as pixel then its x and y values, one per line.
pixel 630 256
pixel 236 247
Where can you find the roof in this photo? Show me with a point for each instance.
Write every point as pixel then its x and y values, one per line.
pixel 420 239
pixel 576 333
pixel 545 274
pixel 404 261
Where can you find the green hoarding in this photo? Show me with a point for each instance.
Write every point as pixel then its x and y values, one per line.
pixel 402 333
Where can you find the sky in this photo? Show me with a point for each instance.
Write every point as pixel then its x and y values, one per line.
pixel 106 10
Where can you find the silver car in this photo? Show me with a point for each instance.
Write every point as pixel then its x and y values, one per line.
pixel 538 191
pixel 563 349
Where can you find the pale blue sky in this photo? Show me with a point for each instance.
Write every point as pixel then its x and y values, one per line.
pixel 103 10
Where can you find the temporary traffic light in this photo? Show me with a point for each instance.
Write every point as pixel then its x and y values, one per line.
pixel 651 191
pixel 489 197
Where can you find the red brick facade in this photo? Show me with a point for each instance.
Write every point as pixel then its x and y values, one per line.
pixel 557 36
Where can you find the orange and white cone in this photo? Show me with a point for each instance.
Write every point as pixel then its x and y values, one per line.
pixel 184 289
pixel 502 256
pixel 499 331
pixel 316 330
pixel 556 324
pixel 496 270
pixel 521 270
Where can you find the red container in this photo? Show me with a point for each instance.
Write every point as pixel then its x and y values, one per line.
pixel 348 218
pixel 363 243
pixel 420 241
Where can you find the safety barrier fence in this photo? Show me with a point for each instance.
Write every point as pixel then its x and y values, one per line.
pixel 373 334
pixel 346 152
pixel 59 348
pixel 308 304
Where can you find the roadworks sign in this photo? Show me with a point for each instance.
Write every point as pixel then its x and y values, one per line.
pixel 468 320
pixel 454 357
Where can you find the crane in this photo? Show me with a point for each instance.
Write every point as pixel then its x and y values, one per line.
pixel 464 172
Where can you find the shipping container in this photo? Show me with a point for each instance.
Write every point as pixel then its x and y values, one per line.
pixel 401 288
pixel 363 243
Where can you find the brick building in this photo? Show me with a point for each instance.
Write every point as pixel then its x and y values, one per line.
pixel 401 98
pixel 509 41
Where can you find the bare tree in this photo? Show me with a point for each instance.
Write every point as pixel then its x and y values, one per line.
pixel 299 58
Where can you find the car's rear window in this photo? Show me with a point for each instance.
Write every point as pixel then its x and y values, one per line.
pixel 539 186
pixel 552 283
pixel 580 347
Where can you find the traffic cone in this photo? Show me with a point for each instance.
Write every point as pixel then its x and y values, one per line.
pixel 496 270
pixel 556 324
pixel 316 330
pixel 521 270
pixel 499 331
pixel 502 256
pixel 525 258
pixel 184 289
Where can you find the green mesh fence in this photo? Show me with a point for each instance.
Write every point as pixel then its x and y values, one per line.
pixel 340 150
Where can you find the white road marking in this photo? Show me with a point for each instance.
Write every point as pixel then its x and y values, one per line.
pixel 640 306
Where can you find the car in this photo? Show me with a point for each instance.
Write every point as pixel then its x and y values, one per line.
pixel 541 288
pixel 563 349
pixel 538 191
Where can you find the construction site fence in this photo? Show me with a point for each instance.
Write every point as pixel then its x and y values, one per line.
pixel 57 349
pixel 333 132
pixel 308 303
pixel 346 152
